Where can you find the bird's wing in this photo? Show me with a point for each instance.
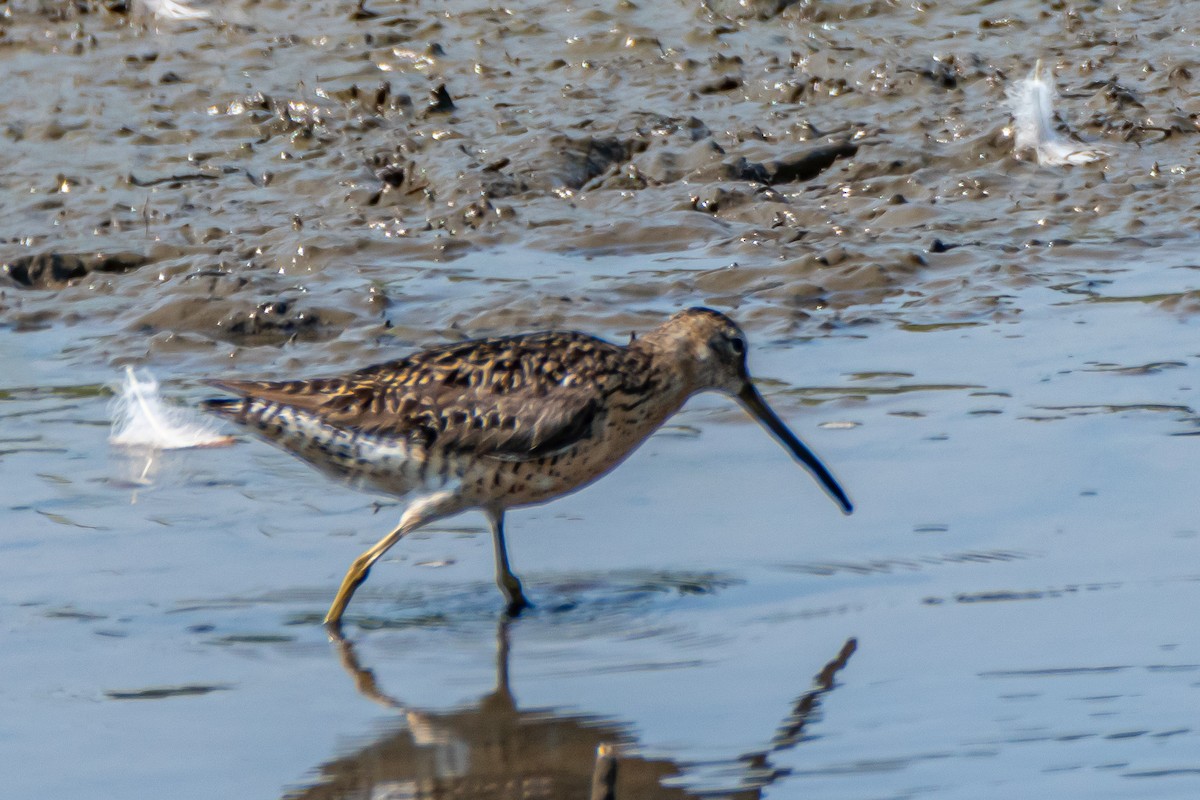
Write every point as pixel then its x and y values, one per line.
pixel 512 399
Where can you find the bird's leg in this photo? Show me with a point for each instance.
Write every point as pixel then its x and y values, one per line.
pixel 424 510
pixel 505 579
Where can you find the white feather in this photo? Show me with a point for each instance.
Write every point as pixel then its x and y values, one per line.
pixel 1032 102
pixel 142 420
pixel 173 9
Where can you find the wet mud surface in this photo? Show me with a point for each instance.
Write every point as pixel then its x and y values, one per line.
pixel 998 359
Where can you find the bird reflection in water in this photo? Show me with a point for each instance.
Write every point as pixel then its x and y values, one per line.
pixel 496 750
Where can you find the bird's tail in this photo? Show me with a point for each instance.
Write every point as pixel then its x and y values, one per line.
pixel 232 408
pixel 333 449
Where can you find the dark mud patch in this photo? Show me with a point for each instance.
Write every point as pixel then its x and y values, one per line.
pixel 55 270
pixel 246 322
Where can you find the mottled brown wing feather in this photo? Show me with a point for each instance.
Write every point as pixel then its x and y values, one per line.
pixel 500 398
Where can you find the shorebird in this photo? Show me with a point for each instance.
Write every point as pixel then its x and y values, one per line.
pixel 494 424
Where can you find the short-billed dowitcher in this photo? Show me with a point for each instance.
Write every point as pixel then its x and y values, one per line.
pixel 494 424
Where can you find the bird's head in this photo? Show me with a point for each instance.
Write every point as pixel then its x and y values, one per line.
pixel 710 349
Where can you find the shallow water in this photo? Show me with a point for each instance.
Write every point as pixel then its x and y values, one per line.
pixel 996 359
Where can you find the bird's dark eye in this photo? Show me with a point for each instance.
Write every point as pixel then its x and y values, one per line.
pixel 739 347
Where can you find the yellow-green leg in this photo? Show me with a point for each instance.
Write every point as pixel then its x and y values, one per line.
pixel 509 583
pixel 424 510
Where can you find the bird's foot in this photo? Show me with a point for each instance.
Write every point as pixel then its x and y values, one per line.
pixel 516 602
pixel 333 629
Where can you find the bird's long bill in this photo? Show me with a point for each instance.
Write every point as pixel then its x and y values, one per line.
pixel 757 406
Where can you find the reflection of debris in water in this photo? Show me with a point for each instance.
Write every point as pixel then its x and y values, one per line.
pixel 1006 595
pixel 165 692
pixel 494 749
pixel 914 563
pixel 137 471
